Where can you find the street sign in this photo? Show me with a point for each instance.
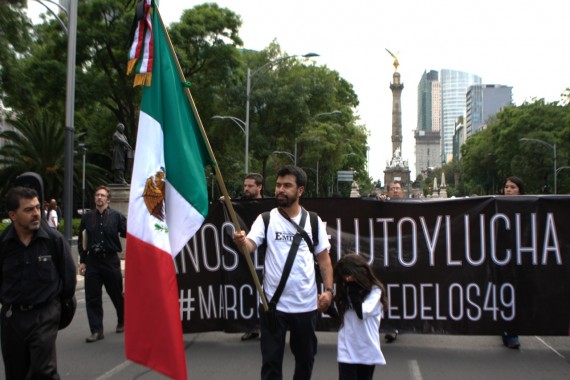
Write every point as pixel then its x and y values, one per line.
pixel 344 176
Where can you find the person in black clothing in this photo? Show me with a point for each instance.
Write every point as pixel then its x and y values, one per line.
pixel 37 270
pixel 252 189
pixel 99 261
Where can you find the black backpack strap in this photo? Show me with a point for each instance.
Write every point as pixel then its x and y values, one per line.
pixel 265 216
pixel 301 230
pixel 314 219
pixel 289 263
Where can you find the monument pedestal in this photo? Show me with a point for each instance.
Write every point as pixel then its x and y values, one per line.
pixel 120 202
pixel 120 197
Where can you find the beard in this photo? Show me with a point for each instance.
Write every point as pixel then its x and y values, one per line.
pixel 285 201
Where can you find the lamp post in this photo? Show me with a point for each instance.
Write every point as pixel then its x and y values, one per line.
pixel 84 151
pixel 71 31
pixel 551 146
pixel 241 124
pixel 288 154
pixel 61 8
pixel 249 88
pixel 312 119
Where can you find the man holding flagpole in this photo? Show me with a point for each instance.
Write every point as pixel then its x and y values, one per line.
pixel 294 301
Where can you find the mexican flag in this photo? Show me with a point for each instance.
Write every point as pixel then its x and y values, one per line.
pixel 168 203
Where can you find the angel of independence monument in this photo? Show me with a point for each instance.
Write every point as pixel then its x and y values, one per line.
pixel 397 168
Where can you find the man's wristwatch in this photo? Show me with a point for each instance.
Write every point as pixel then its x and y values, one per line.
pixel 330 290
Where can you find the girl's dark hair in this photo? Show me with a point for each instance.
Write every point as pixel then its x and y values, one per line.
pixel 517 181
pixel 356 266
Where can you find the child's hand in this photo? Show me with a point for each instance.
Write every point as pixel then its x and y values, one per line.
pixel 354 297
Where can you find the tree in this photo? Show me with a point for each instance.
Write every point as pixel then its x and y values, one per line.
pixel 497 152
pixel 37 145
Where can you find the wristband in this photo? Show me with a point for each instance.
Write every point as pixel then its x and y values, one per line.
pixel 330 290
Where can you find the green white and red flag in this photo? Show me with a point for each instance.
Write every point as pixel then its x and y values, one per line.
pixel 168 204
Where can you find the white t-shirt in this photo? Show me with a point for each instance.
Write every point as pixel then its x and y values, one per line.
pixel 359 339
pixel 300 292
pixel 52 218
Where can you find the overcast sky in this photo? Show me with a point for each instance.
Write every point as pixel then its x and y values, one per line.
pixel 520 43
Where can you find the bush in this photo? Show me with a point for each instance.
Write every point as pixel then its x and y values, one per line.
pixel 74 226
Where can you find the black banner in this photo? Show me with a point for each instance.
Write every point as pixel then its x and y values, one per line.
pixel 479 265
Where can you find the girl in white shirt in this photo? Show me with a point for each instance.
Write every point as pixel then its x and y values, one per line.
pixel 360 299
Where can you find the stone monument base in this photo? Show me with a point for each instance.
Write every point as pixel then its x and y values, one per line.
pixel 120 202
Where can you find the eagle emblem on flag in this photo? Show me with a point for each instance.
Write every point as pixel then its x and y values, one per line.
pixel 154 193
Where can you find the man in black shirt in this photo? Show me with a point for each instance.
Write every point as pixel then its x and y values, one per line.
pixel 37 270
pixel 99 261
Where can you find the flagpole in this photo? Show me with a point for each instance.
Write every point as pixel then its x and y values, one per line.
pixel 219 178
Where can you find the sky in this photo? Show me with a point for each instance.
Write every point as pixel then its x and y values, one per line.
pixel 519 43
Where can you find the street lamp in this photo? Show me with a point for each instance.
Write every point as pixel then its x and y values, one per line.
pixel 249 88
pixel 83 148
pixel 312 119
pixel 551 146
pixel 288 154
pixel 61 8
pixel 241 124
pixel 71 31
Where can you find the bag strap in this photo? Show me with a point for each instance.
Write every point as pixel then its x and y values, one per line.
pixel 301 231
pixel 289 263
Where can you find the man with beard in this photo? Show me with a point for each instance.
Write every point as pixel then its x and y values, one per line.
pixel 100 263
pixel 36 271
pixel 252 189
pixel 297 307
pixel 253 186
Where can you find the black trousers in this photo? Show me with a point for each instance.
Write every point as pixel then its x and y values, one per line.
pixel 348 371
pixel 28 342
pixel 103 272
pixel 302 341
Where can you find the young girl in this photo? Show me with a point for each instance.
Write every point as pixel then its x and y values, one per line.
pixel 360 299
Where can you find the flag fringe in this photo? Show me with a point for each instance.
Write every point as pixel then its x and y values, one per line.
pixel 131 65
pixel 142 79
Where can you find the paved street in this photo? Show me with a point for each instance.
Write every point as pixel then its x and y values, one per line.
pixel 220 356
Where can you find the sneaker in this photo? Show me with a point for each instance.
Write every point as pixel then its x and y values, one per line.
pixel 391 337
pixel 120 328
pixel 250 335
pixel 511 341
pixel 94 337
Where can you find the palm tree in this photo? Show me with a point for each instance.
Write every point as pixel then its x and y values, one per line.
pixel 36 144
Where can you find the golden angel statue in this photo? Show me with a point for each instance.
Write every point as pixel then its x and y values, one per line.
pixel 395 56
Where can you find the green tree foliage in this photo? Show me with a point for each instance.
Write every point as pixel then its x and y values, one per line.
pixel 495 153
pixel 286 98
pixel 37 145
pixel 15 39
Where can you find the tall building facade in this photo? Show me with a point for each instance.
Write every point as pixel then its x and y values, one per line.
pixel 482 102
pixel 427 134
pixel 454 85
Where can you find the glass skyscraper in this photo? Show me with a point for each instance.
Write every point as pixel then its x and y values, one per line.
pixel 454 85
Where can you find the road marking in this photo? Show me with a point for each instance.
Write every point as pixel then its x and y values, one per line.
pixel 114 371
pixel 415 372
pixel 549 346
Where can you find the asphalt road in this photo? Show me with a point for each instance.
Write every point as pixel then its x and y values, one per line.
pixel 217 356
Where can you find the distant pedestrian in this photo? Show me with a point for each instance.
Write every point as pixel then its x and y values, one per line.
pixel 360 299
pixel 52 218
pixel 513 186
pixel 100 262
